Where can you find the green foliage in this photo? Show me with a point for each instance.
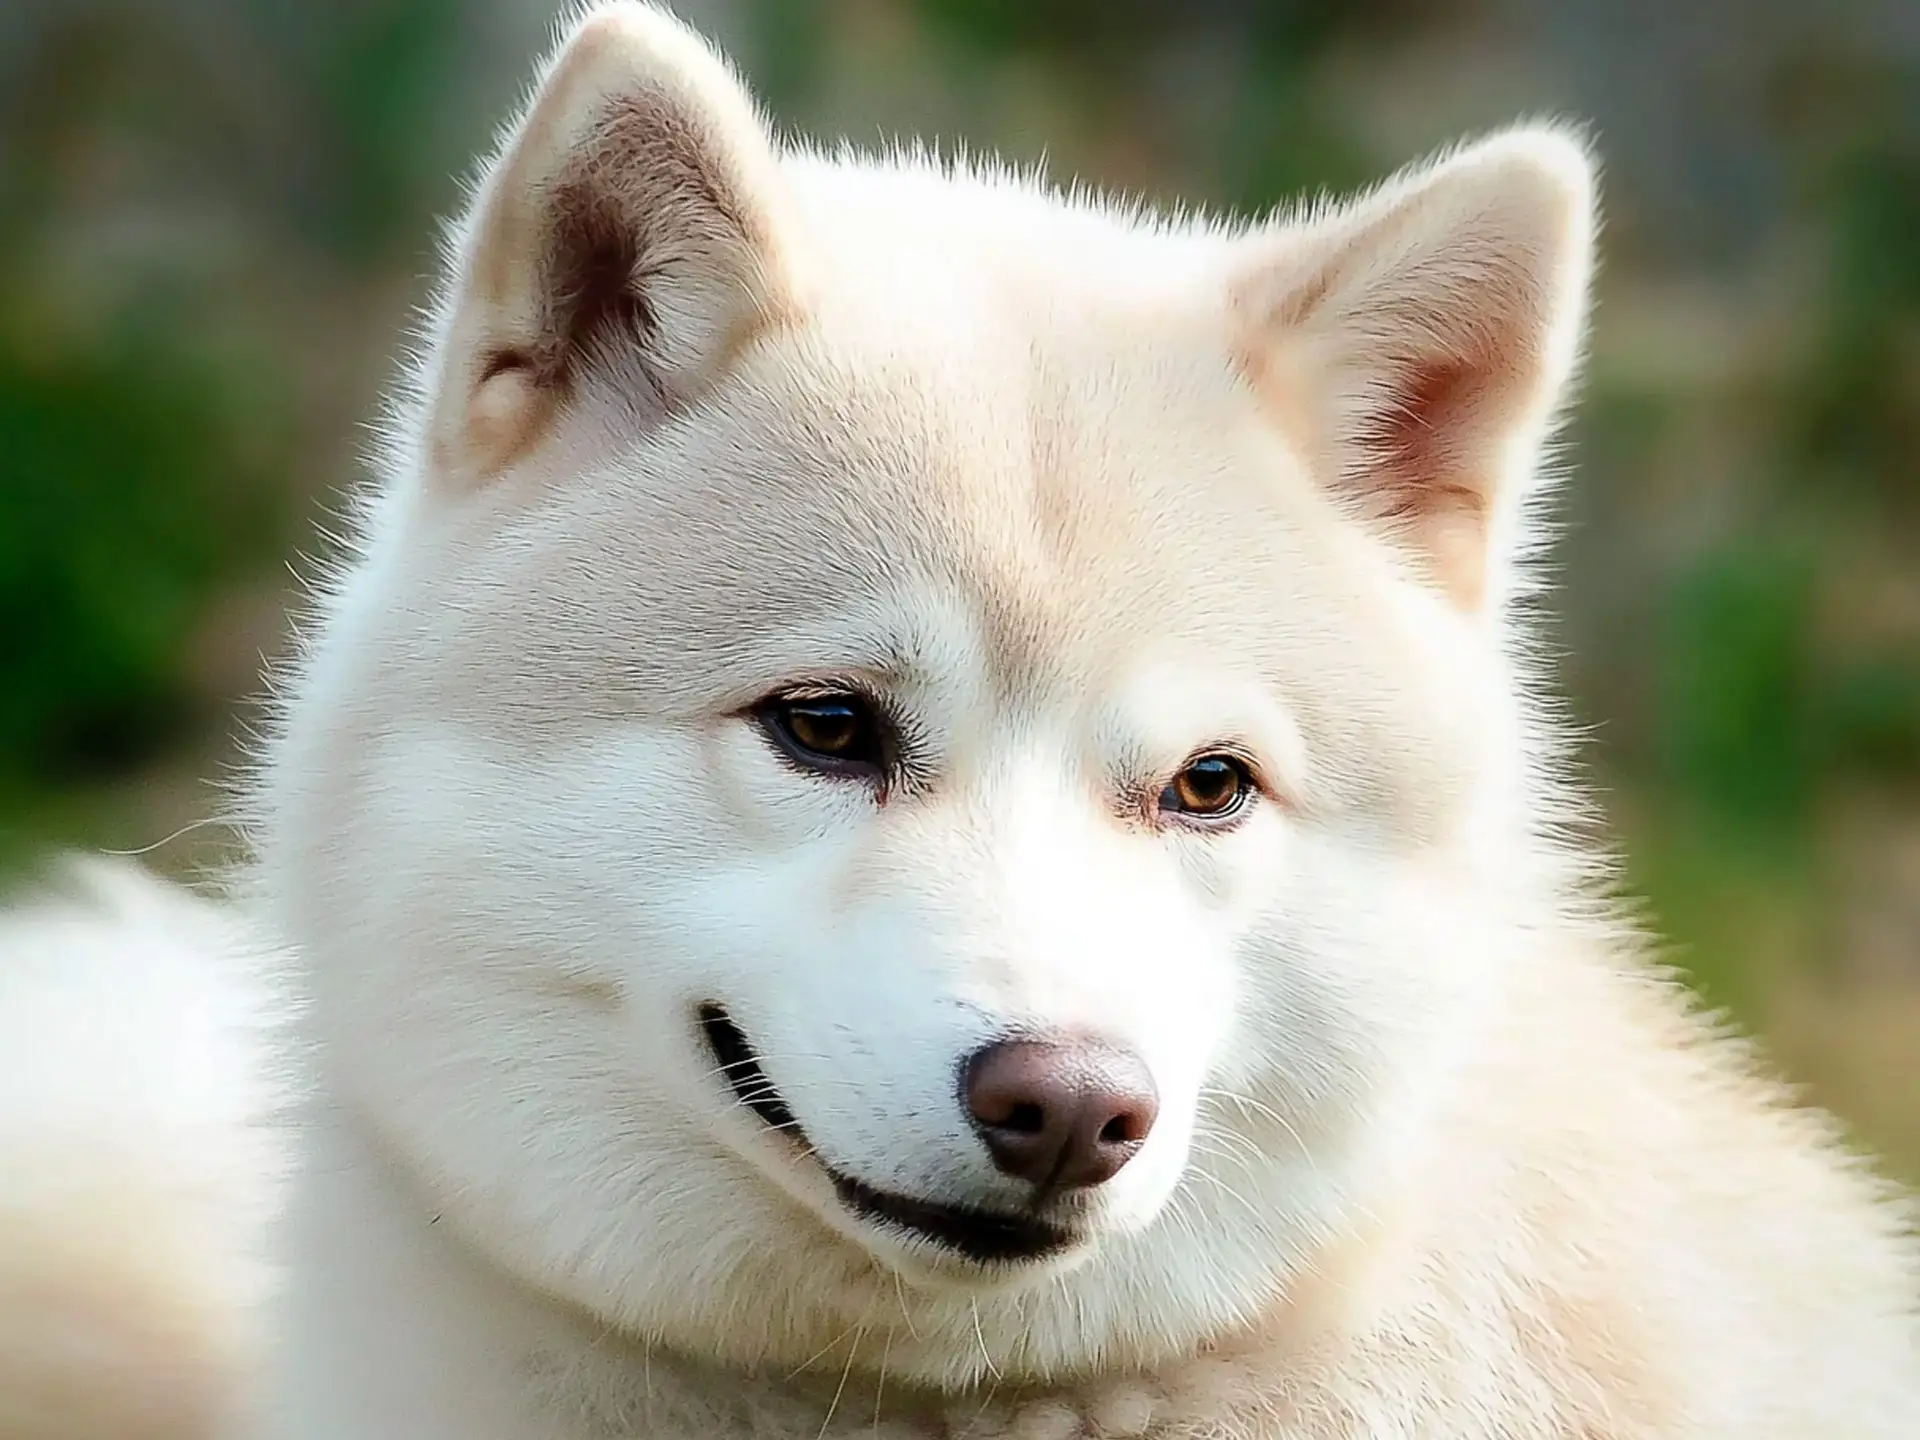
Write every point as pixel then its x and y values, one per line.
pixel 378 74
pixel 129 498
pixel 787 41
pixel 1279 33
pixel 1875 719
pixel 1737 705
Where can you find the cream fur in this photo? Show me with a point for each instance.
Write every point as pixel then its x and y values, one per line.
pixel 1081 493
pixel 138 1164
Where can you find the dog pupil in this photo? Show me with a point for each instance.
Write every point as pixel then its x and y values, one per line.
pixel 829 728
pixel 1208 784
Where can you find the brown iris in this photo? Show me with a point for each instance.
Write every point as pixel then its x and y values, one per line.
pixel 1211 787
pixel 839 734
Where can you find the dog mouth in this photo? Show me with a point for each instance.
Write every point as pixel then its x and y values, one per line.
pixel 985 1237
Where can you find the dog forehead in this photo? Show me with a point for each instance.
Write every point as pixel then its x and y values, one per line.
pixel 1071 497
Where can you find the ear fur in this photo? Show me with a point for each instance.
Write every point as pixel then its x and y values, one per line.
pixel 629 233
pixel 1417 343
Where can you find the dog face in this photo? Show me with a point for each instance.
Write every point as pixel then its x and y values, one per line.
pixel 903 754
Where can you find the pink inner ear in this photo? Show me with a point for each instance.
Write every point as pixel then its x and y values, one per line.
pixel 1425 448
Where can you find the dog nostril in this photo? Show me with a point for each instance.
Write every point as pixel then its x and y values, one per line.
pixel 1060 1116
pixel 1027 1119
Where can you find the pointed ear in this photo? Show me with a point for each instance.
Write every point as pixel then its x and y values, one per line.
pixel 1417 343
pixel 622 247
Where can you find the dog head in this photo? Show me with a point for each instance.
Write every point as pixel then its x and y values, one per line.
pixel 904 752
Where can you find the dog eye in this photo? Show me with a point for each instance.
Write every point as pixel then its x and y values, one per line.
pixel 839 734
pixel 1212 788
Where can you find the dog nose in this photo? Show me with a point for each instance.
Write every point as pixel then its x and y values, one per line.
pixel 1061 1116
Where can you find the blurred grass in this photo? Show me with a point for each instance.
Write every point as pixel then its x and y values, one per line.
pixel 213 212
pixel 136 491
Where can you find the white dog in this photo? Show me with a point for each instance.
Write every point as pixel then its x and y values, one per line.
pixel 920 816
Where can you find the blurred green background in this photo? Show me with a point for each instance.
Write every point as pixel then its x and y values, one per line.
pixel 216 214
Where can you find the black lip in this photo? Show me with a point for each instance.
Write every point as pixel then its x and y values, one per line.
pixel 985 1237
pixel 742 1069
